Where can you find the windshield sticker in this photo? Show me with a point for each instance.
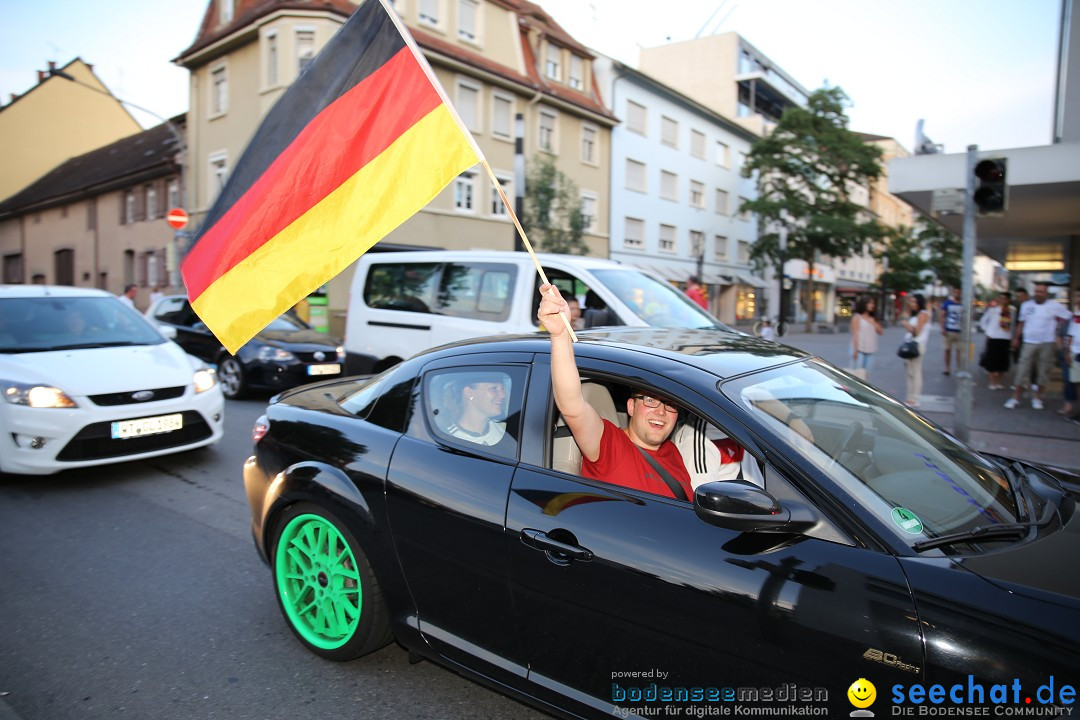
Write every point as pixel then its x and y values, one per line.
pixel 906 520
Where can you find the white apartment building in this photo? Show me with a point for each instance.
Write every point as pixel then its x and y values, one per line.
pixel 676 187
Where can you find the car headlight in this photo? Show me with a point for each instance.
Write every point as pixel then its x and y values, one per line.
pixel 268 354
pixel 204 380
pixel 38 396
pixel 340 354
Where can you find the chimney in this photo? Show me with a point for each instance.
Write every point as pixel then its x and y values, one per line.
pixel 41 76
pixel 14 97
pixel 89 67
pixel 52 64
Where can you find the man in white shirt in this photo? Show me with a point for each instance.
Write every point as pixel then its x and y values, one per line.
pixel 1037 327
pixel 128 296
pixel 1072 352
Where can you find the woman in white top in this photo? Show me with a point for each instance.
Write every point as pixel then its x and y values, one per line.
pixel 997 323
pixel 864 333
pixel 918 327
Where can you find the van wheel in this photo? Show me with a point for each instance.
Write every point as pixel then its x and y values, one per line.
pixel 385 364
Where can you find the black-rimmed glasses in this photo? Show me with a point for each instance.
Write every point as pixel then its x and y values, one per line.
pixel 651 402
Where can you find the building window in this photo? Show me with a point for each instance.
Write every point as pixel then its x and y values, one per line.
pixel 64 266
pixel 577 72
pixel 226 11
pixel 271 60
pixel 151 202
pixel 498 207
pixel 546 139
pixel 669 132
pixel 463 192
pixel 129 206
pixel 502 113
pixel 635 176
pixel 219 173
pixel 669 185
pixel 634 235
pixel 744 214
pixel 697 243
pixel 588 211
pixel 429 12
pixel 91 214
pixel 551 67
pixel 744 252
pixel 173 192
pixel 697 194
pixel 723 154
pixel 720 247
pixel 219 90
pixel 13 269
pixel 721 202
pixel 667 238
pixel 468 105
pixel 588 144
pixel 636 117
pixel 305 49
pixel 467 12
pixel 697 144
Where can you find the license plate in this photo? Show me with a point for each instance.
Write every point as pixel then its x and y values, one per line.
pixel 330 369
pixel 147 426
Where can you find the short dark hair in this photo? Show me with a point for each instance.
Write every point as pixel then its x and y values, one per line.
pixel 695 279
pixel 920 300
pixel 862 304
pixel 129 287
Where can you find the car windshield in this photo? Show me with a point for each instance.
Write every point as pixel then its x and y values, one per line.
pixel 657 303
pixel 920 481
pixel 288 323
pixel 66 323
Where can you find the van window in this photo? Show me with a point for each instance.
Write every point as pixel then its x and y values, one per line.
pixel 658 304
pixel 480 291
pixel 401 286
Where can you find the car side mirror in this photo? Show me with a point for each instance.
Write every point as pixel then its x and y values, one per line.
pixel 167 331
pixel 200 326
pixel 743 506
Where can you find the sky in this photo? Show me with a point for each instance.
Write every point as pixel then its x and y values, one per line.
pixel 977 71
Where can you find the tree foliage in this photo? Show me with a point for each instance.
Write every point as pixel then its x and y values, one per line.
pixel 806 171
pixel 903 252
pixel 553 219
pixel 945 253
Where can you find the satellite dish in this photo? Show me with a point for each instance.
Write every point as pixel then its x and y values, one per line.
pixel 923 144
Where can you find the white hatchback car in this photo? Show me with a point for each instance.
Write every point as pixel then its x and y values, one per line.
pixel 88 381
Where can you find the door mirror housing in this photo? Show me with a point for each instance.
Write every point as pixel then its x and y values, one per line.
pixel 743 506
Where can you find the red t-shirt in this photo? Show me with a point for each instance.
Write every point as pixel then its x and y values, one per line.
pixel 621 463
pixel 698 296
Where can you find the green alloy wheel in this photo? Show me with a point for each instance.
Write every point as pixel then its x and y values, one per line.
pixel 325 586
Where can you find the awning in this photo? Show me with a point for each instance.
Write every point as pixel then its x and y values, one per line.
pixel 746 279
pixel 714 279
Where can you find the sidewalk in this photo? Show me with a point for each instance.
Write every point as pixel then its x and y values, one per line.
pixel 1038 435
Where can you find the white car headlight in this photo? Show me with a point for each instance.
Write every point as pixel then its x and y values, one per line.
pixel 268 353
pixel 204 380
pixel 38 396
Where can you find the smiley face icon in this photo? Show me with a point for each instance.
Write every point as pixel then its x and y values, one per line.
pixel 862 693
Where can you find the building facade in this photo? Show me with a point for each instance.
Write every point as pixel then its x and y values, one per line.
pixel 56 119
pixel 496 59
pixel 676 188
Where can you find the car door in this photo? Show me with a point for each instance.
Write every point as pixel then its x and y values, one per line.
pixel 446 500
pixel 617 590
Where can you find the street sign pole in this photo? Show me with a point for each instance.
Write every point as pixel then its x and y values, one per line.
pixel 962 411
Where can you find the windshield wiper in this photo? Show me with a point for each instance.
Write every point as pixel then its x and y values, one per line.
pixel 981 532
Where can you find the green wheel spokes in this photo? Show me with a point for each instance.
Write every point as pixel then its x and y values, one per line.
pixel 319 581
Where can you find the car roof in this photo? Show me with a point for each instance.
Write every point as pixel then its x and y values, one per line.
pixel 700 348
pixel 37 291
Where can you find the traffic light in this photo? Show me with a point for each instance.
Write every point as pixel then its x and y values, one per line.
pixel 991 191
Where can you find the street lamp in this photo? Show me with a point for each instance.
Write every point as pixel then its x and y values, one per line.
pixel 174 276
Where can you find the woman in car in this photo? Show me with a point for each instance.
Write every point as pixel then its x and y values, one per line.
pixel 475 401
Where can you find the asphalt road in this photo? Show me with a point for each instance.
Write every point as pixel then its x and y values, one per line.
pixel 134 590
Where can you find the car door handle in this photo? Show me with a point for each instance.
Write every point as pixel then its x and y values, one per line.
pixel 540 540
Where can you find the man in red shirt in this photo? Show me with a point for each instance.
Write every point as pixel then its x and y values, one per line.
pixel 611 454
pixel 695 292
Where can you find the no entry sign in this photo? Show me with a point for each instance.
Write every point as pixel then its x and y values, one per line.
pixel 177 218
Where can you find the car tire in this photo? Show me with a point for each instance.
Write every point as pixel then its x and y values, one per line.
pixel 325 586
pixel 231 376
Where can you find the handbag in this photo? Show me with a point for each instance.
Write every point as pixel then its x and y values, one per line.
pixel 908 349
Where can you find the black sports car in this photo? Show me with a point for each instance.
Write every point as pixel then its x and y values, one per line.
pixel 286 353
pixel 841 542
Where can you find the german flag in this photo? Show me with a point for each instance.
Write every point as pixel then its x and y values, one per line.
pixel 358 144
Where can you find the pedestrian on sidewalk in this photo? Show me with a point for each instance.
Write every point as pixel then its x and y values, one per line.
pixel 997 324
pixel 1037 323
pixel 695 292
pixel 864 333
pixel 1023 297
pixel 918 329
pixel 1072 353
pixel 952 316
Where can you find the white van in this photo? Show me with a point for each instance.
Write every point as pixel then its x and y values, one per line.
pixel 403 302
